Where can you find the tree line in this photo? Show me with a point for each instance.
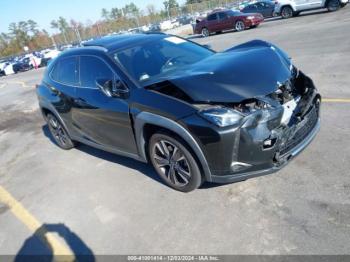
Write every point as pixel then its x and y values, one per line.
pixel 27 33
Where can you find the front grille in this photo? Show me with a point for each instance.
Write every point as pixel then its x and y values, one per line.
pixel 302 132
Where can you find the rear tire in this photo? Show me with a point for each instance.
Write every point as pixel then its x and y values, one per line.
pixel 286 12
pixel 174 162
pixel 205 32
pixel 59 133
pixel 333 5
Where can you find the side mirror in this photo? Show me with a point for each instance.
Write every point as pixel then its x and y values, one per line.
pixel 113 88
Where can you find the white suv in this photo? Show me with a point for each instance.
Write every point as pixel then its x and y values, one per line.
pixel 289 8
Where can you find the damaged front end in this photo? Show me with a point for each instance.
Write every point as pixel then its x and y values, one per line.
pixel 282 121
pixel 272 130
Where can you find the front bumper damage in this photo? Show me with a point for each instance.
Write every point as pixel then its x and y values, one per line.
pixel 262 144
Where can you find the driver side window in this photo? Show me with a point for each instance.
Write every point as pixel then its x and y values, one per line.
pixel 93 68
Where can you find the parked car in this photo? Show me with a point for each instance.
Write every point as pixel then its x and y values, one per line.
pixel 185 19
pixel 226 19
pixel 48 55
pixel 265 8
pixel 289 8
pixel 21 66
pixel 195 114
pixel 6 68
pixel 3 64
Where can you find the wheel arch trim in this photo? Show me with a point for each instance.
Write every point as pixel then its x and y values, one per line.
pixel 288 5
pixel 144 118
pixel 47 106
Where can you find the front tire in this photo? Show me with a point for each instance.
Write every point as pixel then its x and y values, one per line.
pixel 333 5
pixel 59 133
pixel 239 26
pixel 286 12
pixel 174 163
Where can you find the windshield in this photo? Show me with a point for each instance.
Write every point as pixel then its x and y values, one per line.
pixel 157 58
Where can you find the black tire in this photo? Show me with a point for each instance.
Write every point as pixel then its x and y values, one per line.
pixel 239 25
pixel 333 5
pixel 205 32
pixel 295 14
pixel 174 162
pixel 59 133
pixel 286 12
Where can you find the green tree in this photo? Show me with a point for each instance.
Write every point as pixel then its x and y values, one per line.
pixel 63 27
pixel 116 13
pixel 105 14
pixel 33 26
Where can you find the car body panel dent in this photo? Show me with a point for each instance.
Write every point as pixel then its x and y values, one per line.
pixel 230 76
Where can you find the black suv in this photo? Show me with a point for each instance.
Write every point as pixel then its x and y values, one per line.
pixel 195 114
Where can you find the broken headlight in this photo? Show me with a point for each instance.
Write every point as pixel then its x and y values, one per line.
pixel 221 116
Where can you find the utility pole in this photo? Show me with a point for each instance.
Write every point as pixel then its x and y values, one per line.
pixel 53 41
pixel 78 34
pixel 98 29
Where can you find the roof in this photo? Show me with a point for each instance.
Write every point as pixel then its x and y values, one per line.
pixel 119 41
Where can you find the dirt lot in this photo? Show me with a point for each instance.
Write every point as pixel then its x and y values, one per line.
pixel 107 204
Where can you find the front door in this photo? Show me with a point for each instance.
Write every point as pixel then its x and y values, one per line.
pixel 99 118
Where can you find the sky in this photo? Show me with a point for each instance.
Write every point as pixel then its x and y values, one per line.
pixel 44 11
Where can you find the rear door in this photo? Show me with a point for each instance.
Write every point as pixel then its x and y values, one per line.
pixel 65 80
pixel 99 118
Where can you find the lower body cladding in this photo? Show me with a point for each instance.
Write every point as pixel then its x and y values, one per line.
pixel 265 141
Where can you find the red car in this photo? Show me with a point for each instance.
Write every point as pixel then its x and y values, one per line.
pixel 226 19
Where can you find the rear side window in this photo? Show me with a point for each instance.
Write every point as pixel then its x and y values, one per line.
pixel 212 17
pixel 222 16
pixel 93 68
pixel 66 71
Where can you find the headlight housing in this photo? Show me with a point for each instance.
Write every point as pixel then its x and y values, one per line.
pixel 250 17
pixel 221 116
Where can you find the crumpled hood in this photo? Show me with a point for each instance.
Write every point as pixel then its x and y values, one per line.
pixel 246 71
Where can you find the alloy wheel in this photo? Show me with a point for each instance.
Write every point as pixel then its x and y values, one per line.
pixel 205 32
pixel 287 12
pixel 171 162
pixel 58 131
pixel 239 26
pixel 333 5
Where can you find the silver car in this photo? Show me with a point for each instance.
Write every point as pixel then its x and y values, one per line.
pixel 289 8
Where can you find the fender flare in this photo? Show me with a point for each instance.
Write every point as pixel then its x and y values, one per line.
pixel 47 106
pixel 289 5
pixel 143 118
